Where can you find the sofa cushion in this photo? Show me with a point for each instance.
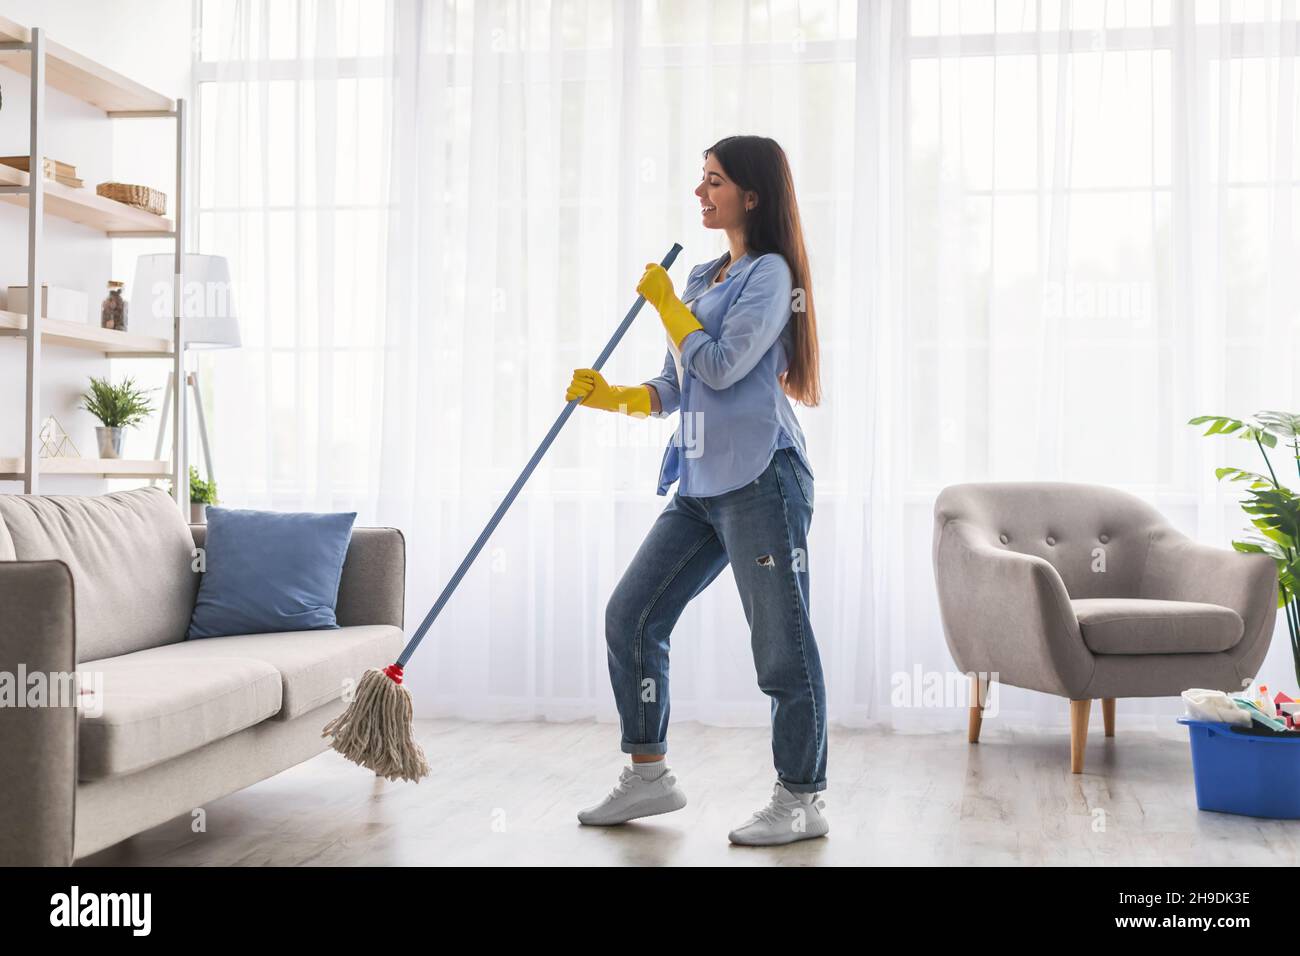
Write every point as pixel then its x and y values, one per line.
pixel 131 557
pixel 268 572
pixel 1133 626
pixel 7 552
pixel 314 666
pixel 148 711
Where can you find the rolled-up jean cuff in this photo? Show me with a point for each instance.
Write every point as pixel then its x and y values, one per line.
pixel 804 787
pixel 659 748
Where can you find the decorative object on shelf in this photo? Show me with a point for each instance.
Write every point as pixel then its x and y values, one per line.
pixel 1273 508
pixel 142 197
pixel 202 494
pixel 67 305
pixel 55 442
pixel 208 304
pixel 112 311
pixel 118 407
pixel 64 173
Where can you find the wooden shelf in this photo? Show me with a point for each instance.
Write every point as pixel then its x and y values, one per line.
pixel 93 338
pixel 79 76
pixel 11 469
pixel 72 74
pixel 85 206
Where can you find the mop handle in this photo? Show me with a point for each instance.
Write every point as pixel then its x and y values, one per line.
pixel 414 642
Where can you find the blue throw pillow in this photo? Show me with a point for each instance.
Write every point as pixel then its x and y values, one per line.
pixel 270 571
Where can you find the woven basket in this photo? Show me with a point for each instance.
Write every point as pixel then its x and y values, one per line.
pixel 142 197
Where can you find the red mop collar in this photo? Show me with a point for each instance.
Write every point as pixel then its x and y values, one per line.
pixel 394 673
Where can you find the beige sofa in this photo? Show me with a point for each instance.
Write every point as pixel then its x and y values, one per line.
pixel 106 585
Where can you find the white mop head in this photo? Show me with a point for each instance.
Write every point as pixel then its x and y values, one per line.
pixel 376 729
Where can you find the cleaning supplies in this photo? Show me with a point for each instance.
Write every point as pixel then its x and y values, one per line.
pixel 1213 706
pixel 1244 758
pixel 376 729
pixel 1287 709
pixel 1258 695
pixel 1255 773
pixel 1258 716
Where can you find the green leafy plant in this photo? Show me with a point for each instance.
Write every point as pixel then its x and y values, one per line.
pixel 117 406
pixel 1273 508
pixel 202 492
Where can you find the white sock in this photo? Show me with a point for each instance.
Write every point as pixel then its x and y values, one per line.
pixel 801 797
pixel 650 769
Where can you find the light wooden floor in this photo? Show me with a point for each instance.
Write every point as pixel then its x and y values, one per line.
pixel 507 794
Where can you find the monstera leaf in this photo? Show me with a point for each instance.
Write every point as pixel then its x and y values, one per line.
pixel 1223 425
pixel 1282 424
pixel 1288 570
pixel 1276 511
pixel 1240 474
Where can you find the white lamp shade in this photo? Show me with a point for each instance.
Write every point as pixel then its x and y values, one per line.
pixel 207 300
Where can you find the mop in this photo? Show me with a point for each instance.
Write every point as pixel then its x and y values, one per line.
pixel 375 731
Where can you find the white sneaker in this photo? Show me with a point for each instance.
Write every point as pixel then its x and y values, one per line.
pixel 789 817
pixel 635 797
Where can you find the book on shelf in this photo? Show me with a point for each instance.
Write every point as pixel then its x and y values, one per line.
pixel 52 167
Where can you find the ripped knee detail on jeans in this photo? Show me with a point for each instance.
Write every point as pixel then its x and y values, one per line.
pixel 798 560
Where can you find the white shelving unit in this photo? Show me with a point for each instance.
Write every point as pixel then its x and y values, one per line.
pixel 49 64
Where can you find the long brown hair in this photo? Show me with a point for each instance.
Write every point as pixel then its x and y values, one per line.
pixel 758 164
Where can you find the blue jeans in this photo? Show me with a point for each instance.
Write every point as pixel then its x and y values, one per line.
pixel 761 531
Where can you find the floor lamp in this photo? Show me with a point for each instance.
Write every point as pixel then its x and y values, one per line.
pixel 209 320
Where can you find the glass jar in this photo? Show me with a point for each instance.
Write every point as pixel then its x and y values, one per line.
pixel 112 311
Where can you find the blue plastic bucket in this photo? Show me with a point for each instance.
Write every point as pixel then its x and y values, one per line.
pixel 1243 773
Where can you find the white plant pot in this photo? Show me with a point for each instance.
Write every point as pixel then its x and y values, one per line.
pixel 198 512
pixel 110 441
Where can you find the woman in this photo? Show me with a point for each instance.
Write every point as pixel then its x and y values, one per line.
pixel 741 338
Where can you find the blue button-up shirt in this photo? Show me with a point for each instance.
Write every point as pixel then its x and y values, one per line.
pixel 734 413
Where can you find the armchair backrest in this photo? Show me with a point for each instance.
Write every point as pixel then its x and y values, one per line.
pixel 1095 537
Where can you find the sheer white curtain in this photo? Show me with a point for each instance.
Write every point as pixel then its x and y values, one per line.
pixel 294 102
pixel 544 153
pixel 1043 235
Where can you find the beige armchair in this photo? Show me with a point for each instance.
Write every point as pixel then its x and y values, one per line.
pixel 1087 592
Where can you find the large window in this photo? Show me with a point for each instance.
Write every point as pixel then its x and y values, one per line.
pixel 1070 168
pixel 1097 195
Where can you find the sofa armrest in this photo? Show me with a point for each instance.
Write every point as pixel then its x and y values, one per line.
pixel 38 745
pixel 373 587
pixel 1008 613
pixel 1181 569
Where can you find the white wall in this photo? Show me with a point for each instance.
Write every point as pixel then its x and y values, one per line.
pixel 149 41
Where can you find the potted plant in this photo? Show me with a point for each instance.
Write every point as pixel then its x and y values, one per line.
pixel 1273 508
pixel 117 407
pixel 202 494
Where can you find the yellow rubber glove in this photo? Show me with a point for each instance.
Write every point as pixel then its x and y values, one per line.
pixel 658 291
pixel 591 386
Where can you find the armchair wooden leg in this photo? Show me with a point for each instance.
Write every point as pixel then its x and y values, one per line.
pixel 1108 715
pixel 1079 710
pixel 979 691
